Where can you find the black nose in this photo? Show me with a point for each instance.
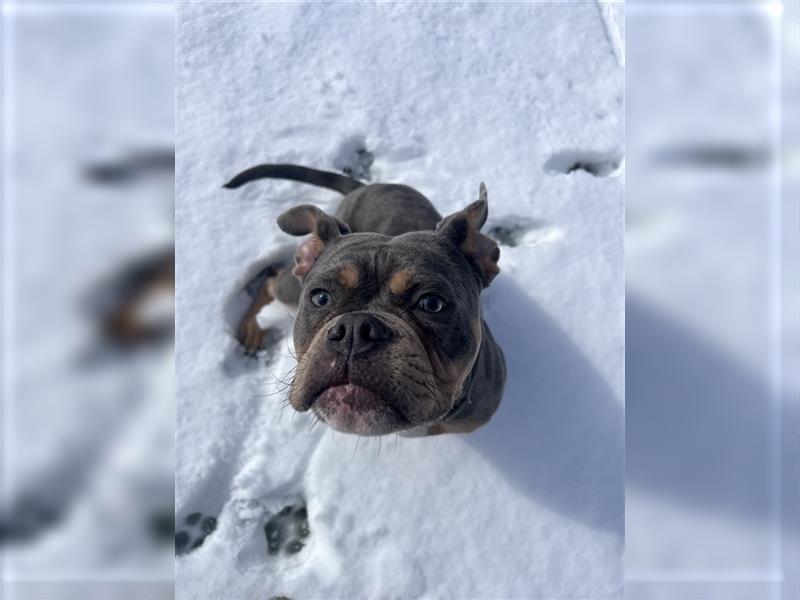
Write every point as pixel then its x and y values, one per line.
pixel 358 332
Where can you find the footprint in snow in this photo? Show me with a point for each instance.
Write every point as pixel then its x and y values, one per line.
pixel 353 158
pixel 514 230
pixel 599 164
pixel 195 528
pixel 287 530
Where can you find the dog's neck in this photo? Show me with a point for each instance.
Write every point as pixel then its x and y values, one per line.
pixel 479 395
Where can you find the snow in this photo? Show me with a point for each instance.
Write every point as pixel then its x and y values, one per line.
pixel 444 96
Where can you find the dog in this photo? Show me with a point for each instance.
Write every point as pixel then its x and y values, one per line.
pixel 388 335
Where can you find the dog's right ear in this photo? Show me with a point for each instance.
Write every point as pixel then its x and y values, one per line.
pixel 324 230
pixel 464 230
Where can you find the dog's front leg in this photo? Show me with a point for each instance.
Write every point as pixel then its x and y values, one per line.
pixel 250 333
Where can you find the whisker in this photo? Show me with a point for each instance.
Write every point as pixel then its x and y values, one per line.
pixel 283 408
pixel 277 378
pixel 277 392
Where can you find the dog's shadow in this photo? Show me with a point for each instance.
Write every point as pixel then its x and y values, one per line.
pixel 558 433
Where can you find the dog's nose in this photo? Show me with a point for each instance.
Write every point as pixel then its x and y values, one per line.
pixel 358 332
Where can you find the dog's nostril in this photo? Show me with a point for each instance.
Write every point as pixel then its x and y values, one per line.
pixel 337 333
pixel 373 330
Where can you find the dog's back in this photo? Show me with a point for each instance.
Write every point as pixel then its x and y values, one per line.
pixel 390 209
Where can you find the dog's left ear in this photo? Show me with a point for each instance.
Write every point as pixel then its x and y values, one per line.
pixel 463 229
pixel 324 229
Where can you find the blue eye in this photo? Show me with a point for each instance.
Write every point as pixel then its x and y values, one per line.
pixel 431 303
pixel 320 297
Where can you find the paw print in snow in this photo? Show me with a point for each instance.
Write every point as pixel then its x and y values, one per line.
pixel 197 527
pixel 287 530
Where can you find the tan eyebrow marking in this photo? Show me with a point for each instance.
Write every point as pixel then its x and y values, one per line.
pixel 401 281
pixel 348 275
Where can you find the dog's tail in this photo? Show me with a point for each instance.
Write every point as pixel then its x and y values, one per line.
pixel 326 179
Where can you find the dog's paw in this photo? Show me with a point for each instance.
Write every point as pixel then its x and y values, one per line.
pixel 195 528
pixel 287 530
pixel 251 336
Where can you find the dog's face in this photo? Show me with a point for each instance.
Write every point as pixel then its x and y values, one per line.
pixel 388 328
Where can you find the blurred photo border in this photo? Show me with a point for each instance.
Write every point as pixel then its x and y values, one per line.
pixel 786 277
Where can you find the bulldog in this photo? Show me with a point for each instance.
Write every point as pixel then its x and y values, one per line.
pixel 388 333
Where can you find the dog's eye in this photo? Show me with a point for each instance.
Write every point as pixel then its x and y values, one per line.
pixel 320 297
pixel 431 303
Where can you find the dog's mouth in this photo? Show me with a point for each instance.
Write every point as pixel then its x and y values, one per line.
pixel 352 408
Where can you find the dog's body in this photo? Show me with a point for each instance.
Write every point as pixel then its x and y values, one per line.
pixel 389 335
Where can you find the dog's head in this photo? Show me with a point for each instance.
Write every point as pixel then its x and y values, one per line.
pixel 387 328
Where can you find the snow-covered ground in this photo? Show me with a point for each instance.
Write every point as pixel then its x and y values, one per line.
pixel 443 96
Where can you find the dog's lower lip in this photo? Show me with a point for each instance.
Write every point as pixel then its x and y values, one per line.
pixel 352 408
pixel 350 393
